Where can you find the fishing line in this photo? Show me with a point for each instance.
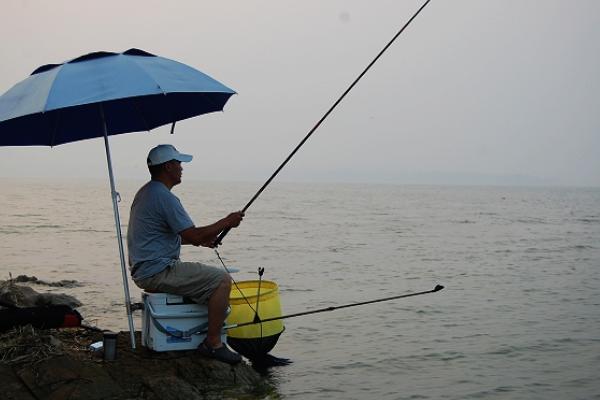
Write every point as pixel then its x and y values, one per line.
pixel 224 233
pixel 261 270
pixel 234 282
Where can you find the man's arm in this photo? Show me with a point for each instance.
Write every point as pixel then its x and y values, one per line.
pixel 207 235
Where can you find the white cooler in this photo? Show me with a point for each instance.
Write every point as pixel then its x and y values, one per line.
pixel 170 322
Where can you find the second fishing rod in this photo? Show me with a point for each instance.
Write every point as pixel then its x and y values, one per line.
pixel 257 320
pixel 224 233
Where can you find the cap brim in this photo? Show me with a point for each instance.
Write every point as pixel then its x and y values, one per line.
pixel 184 157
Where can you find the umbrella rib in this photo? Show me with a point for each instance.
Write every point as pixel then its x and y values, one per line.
pixel 137 108
pixel 135 105
pixel 54 128
pixel 209 100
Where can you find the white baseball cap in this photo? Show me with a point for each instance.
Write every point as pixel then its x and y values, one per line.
pixel 166 152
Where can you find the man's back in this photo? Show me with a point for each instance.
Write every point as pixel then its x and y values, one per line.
pixel 155 221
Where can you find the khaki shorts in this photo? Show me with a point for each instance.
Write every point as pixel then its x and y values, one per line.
pixel 189 279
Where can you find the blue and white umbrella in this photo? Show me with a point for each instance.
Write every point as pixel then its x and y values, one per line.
pixel 102 94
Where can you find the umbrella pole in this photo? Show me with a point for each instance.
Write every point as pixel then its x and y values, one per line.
pixel 115 197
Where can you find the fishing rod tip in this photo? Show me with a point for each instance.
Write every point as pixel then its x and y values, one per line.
pixel 437 288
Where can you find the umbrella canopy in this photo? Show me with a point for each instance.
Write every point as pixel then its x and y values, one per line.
pixel 101 94
pixel 138 91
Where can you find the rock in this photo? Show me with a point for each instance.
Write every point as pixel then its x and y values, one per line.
pixel 171 388
pixel 64 377
pixel 57 299
pixel 68 283
pixel 13 295
pixel 12 386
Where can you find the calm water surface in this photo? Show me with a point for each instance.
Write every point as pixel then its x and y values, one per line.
pixel 519 318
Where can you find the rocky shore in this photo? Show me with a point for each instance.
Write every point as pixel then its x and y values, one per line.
pixel 58 364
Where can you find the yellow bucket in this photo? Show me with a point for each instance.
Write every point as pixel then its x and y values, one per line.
pixel 268 307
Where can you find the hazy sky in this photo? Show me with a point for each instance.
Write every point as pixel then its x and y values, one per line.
pixel 474 91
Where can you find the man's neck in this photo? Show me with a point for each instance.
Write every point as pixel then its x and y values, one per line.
pixel 164 181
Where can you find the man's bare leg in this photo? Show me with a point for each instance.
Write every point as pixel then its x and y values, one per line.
pixel 217 307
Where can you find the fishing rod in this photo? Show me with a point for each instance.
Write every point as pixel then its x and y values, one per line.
pixel 224 233
pixel 437 288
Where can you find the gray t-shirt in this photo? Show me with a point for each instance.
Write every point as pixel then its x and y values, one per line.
pixel 156 219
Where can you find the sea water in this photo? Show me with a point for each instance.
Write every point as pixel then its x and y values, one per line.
pixel 519 317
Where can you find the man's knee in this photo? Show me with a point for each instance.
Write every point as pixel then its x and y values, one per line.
pixel 226 281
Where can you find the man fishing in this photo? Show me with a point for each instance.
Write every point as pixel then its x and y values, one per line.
pixel 158 226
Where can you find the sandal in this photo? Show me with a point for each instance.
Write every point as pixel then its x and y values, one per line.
pixel 222 354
